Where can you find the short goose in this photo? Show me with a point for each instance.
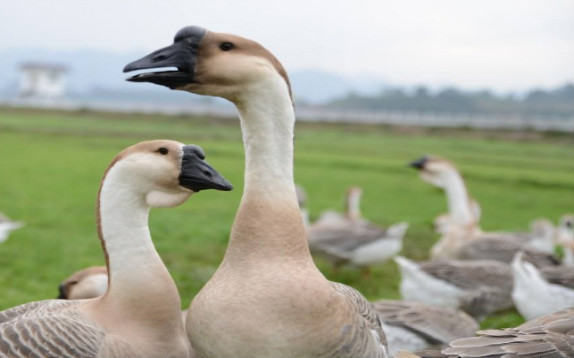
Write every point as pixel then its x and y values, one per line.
pixel 533 295
pixel 478 287
pixel 464 238
pixel 351 240
pixel 120 323
pixel 267 298
pixel 550 336
pixel 88 283
pixel 7 226
pixel 414 326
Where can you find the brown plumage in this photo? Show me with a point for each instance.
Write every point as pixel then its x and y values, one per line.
pixel 550 336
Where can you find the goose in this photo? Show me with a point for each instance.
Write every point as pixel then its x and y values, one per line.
pixel 477 287
pixel 90 282
pixel 533 295
pixel 464 237
pixel 119 323
pixel 549 336
pixel 267 297
pixel 7 226
pixel 415 326
pixel 351 240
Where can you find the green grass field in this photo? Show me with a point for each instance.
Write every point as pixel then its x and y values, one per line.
pixel 51 164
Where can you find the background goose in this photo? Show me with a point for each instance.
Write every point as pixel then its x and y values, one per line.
pixel 533 295
pixel 90 282
pixel 7 226
pixel 350 239
pixel 148 174
pixel 548 336
pixel 459 242
pixel 415 326
pixel 477 287
pixel 267 298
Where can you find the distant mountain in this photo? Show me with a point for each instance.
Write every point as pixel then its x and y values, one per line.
pixel 99 74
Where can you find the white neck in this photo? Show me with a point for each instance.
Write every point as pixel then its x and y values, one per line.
pixel 137 275
pixel 353 205
pixel 459 205
pixel 269 203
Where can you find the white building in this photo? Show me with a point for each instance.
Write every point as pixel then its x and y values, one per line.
pixel 42 81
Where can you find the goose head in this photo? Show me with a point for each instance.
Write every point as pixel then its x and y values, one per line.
pixel 210 63
pixel 435 170
pixel 565 231
pixel 166 172
pixel 88 283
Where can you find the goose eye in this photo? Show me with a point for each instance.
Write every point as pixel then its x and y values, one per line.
pixel 163 151
pixel 72 283
pixel 226 46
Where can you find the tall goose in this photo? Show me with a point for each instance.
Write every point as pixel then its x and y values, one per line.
pixel 478 287
pixel 267 298
pixel 121 323
pixel 351 240
pixel 464 239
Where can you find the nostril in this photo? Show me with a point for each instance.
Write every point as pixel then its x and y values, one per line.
pixel 159 58
pixel 207 173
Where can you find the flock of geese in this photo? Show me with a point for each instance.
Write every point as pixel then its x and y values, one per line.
pixel 267 298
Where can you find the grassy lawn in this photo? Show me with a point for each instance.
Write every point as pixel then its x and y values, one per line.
pixel 51 164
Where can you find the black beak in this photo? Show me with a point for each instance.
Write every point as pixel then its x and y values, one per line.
pixel 197 175
pixel 181 55
pixel 62 295
pixel 419 163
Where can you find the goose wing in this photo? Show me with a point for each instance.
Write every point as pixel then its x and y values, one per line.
pixel 367 318
pixel 503 248
pixel 346 237
pixel 549 336
pixel 435 323
pixel 54 328
pixel 560 275
pixel 471 274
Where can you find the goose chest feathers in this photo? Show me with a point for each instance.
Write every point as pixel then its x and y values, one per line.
pixel 119 323
pixel 267 298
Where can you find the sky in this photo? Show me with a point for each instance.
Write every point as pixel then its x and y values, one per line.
pixel 505 45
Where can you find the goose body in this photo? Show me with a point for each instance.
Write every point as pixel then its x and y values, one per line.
pixel 148 174
pixel 416 326
pixel 533 295
pixel 547 336
pixel 351 240
pixel 7 226
pixel 477 287
pixel 267 298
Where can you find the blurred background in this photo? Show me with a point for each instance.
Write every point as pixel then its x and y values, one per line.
pixel 488 84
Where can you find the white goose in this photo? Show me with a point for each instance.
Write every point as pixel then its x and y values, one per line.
pixel 120 323
pixel 351 240
pixel 267 298
pixel 464 239
pixel 533 295
pixel 7 226
pixel 477 287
